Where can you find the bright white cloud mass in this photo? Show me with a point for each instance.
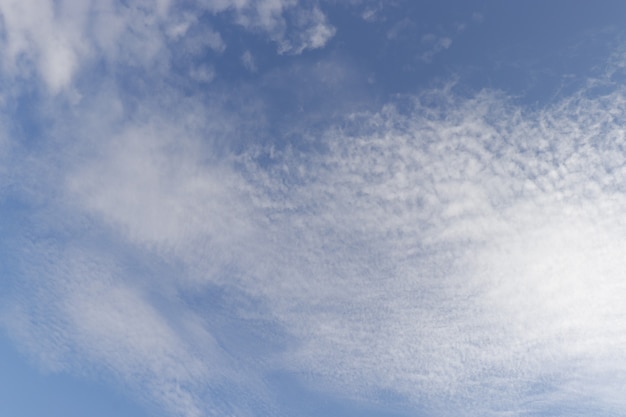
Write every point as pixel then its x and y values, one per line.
pixel 205 203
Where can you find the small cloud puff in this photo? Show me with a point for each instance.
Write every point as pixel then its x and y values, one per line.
pixel 248 61
pixel 435 45
pixel 404 29
pixel 202 74
pixel 310 30
pixel 478 17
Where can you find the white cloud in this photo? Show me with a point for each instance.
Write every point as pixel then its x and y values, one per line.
pixel 202 74
pixel 458 254
pixel 312 31
pixel 248 61
pixel 293 26
pixel 78 306
pixel 47 35
pixel 455 255
pixel 83 314
pixel 56 40
pixel 371 13
pixel 435 45
pixel 468 242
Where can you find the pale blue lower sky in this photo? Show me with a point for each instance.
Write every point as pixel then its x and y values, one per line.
pixel 26 391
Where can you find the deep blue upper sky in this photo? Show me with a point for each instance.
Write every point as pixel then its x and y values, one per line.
pixel 312 208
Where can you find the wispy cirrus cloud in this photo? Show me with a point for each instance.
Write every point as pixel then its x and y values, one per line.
pixel 478 233
pixel 294 26
pixel 56 40
pixel 461 253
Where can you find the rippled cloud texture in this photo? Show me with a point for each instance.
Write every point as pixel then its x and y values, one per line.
pixel 439 253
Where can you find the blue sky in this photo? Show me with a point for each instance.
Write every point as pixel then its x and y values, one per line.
pixel 312 208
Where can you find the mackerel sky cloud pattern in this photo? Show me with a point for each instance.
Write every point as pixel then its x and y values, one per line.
pixel 284 208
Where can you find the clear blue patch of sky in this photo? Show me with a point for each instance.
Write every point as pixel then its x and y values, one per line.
pixel 528 49
pixel 524 48
pixel 27 392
